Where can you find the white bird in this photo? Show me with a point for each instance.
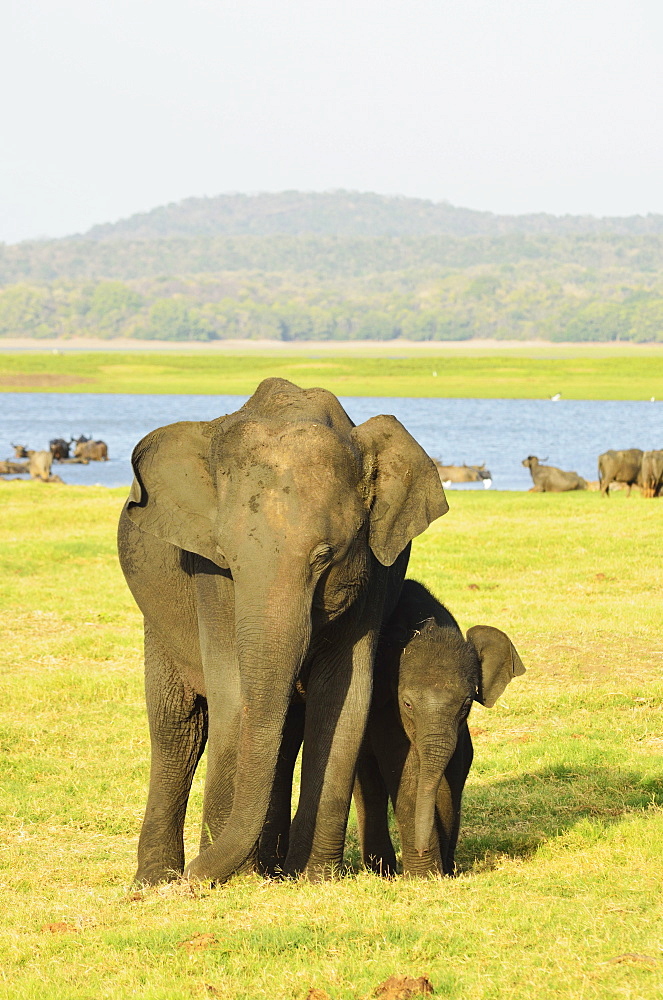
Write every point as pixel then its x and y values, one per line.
pixel 556 397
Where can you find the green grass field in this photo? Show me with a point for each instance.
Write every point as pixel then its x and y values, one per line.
pixel 510 375
pixel 561 851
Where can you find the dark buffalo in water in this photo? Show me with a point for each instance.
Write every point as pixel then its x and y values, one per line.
pixel 621 467
pixel 550 479
pixel 59 449
pixel 651 473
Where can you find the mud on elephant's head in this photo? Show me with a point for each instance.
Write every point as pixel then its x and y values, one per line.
pixel 287 489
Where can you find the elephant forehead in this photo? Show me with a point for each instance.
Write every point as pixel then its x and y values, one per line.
pixel 317 504
pixel 439 659
pixel 300 448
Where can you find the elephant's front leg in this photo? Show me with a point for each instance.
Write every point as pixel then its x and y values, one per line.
pixel 275 836
pixel 449 798
pixel 178 727
pixel 337 703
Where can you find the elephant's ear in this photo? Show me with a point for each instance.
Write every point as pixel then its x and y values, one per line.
pixel 499 661
pixel 173 495
pixel 403 488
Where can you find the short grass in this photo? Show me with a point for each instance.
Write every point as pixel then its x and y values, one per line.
pixel 507 376
pixel 561 852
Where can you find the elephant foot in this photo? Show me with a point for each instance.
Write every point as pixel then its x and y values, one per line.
pixel 423 867
pixel 210 867
pixel 155 875
pixel 382 867
pixel 321 871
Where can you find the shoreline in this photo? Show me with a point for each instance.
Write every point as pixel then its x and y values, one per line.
pixel 391 348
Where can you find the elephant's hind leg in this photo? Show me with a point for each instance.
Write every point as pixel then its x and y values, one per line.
pixel 178 731
pixel 372 804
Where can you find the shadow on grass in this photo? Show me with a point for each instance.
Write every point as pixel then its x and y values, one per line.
pixel 514 817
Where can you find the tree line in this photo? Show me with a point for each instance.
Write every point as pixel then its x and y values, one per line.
pixel 499 302
pixel 337 266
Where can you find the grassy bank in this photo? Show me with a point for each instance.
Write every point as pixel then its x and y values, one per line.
pixel 561 851
pixel 509 376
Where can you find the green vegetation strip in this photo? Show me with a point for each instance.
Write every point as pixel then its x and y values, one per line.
pixel 561 849
pixel 508 377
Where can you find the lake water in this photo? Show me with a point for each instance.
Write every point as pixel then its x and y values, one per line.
pixel 499 432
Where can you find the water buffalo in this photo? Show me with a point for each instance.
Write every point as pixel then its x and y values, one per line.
pixel 619 467
pixel 20 450
pixel 549 479
pixel 464 474
pixel 92 451
pixel 10 468
pixel 59 448
pixel 39 465
pixel 651 473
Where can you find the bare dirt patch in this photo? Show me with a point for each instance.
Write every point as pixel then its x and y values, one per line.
pixel 199 942
pixel 41 381
pixel 404 987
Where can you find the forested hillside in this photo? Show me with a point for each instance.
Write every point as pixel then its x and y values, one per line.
pixel 339 266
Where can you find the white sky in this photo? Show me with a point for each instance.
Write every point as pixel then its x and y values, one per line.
pixel 110 107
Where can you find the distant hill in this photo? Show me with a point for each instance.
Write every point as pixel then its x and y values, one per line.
pixel 347 213
pixel 301 266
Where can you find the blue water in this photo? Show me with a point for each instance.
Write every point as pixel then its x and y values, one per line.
pixel 499 432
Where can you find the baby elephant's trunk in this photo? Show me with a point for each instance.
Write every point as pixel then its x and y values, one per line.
pixel 434 755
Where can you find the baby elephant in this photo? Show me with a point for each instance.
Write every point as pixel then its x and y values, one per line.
pixel 418 750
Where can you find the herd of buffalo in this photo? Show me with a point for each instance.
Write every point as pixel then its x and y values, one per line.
pixel 622 469
pixel 618 469
pixel 38 464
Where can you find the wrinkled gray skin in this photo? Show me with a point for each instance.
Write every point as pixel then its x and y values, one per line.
pixel 417 749
pixel 651 473
pixel 620 467
pixel 263 549
pixel 550 479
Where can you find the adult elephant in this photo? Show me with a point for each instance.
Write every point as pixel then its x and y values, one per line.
pixel 264 549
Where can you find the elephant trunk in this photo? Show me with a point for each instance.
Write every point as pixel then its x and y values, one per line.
pixel 434 755
pixel 271 647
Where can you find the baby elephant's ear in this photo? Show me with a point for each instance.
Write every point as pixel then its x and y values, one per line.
pixel 499 661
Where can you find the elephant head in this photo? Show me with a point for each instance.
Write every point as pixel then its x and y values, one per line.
pixel 440 675
pixel 294 503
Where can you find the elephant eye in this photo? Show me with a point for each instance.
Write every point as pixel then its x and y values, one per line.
pixel 321 555
pixel 407 702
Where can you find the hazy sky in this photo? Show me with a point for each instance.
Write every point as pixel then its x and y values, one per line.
pixel 115 106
